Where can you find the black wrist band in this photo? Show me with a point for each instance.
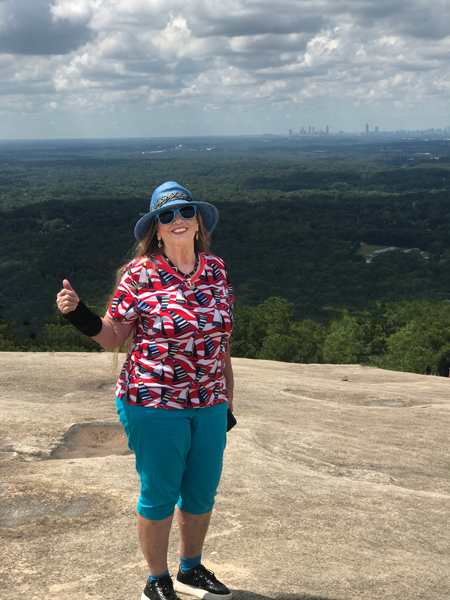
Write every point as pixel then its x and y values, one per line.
pixel 84 319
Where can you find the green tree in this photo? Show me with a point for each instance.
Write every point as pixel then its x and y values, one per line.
pixel 267 332
pixel 310 337
pixel 419 335
pixel 279 347
pixel 12 340
pixel 353 339
pixel 240 345
pixel 254 324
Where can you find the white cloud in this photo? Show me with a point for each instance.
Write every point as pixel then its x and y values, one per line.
pixel 75 11
pixel 103 55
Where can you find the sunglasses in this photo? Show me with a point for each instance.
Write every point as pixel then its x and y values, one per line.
pixel 186 212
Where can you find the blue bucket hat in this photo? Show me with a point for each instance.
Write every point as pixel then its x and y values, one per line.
pixel 171 195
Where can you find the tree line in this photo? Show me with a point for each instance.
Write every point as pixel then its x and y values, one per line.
pixel 405 336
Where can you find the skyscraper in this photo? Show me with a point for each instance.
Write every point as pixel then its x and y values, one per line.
pixel 367 128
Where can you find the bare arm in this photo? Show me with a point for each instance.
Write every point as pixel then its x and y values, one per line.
pixel 112 335
pixel 229 379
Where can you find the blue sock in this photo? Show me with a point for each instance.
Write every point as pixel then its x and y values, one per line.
pixel 189 563
pixel 156 577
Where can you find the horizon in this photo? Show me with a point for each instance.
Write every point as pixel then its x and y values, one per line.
pixel 441 133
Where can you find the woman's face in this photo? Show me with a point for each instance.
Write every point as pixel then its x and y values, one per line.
pixel 179 233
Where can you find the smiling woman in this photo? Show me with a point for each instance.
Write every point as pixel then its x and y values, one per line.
pixel 175 299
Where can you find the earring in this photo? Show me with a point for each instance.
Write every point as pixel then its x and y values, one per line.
pixel 159 244
pixel 196 235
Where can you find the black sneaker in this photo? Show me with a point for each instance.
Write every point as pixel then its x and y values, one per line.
pixel 201 583
pixel 160 589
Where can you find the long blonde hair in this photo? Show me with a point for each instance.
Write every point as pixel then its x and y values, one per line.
pixel 148 247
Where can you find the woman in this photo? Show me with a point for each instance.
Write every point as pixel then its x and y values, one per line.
pixel 177 382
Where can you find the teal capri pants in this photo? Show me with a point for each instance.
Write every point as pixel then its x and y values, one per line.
pixel 179 456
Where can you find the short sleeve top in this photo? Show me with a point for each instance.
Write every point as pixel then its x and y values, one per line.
pixel 177 355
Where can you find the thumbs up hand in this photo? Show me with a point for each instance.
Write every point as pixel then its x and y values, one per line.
pixel 67 300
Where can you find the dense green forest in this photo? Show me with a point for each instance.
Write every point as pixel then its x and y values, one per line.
pixel 297 217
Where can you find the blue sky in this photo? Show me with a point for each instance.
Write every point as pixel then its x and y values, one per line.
pixel 124 68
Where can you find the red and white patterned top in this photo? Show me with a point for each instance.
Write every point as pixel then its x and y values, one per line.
pixel 176 359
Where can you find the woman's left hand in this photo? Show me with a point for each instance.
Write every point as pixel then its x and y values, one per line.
pixel 229 379
pixel 230 400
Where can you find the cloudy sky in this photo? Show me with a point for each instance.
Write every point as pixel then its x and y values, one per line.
pixel 125 68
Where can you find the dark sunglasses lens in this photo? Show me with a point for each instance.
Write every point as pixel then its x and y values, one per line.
pixel 166 217
pixel 188 212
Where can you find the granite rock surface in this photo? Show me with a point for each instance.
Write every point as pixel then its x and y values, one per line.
pixel 336 484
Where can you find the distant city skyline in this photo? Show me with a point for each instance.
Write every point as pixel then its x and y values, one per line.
pixel 128 68
pixel 327 130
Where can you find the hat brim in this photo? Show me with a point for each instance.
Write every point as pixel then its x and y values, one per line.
pixel 209 212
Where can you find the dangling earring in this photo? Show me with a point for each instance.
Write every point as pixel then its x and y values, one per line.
pixel 159 244
pixel 196 235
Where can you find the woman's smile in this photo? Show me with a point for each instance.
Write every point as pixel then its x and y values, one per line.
pixel 184 229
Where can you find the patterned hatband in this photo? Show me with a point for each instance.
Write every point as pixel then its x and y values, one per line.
pixel 169 198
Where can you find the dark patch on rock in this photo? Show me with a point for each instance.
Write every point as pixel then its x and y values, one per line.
pixel 92 440
pixel 107 386
pixel 22 510
pixel 386 402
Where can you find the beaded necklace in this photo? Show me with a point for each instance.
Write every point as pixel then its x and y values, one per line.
pixel 187 276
